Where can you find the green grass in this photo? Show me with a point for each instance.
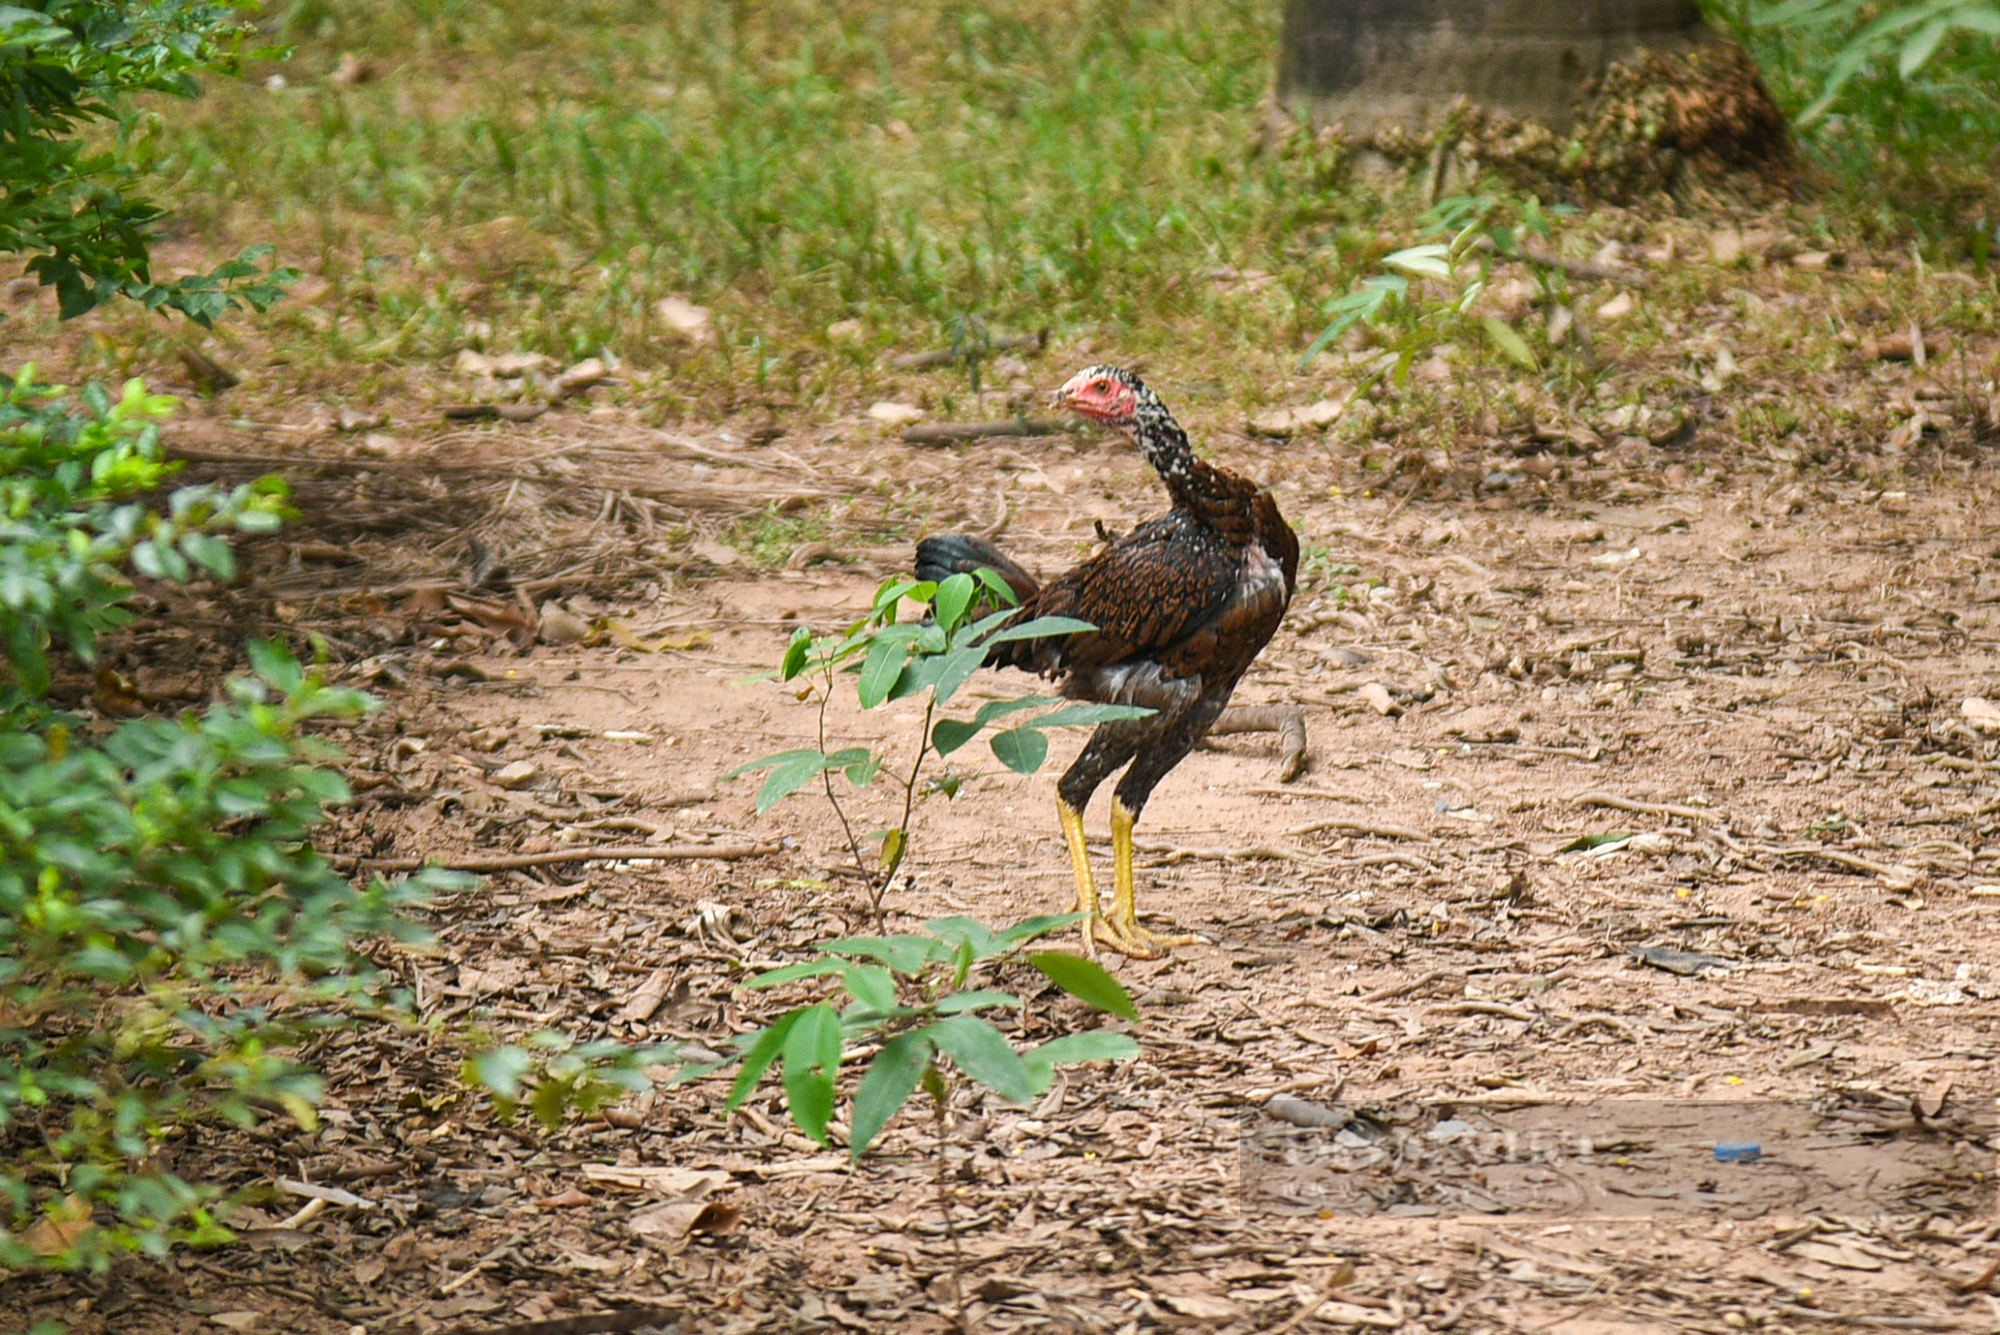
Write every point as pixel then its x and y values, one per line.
pixel 792 165
pixel 538 177
pixel 1907 159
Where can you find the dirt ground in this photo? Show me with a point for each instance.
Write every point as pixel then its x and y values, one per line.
pixel 1758 671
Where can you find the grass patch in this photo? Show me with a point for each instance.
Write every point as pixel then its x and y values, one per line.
pixel 457 174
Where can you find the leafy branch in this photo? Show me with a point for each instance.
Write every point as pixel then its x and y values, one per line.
pixel 1463 261
pixel 969 616
pixel 1913 31
pixel 906 999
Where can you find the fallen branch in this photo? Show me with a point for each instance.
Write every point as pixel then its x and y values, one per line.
pixel 1288 721
pixel 1865 1319
pixel 1531 254
pixel 1169 853
pixel 1595 1017
pixel 1416 984
pixel 1484 1008
pixel 1837 858
pixel 594 1323
pixel 1617 803
pixel 505 412
pixel 560 856
pixel 924 361
pixel 939 433
pixel 1362 827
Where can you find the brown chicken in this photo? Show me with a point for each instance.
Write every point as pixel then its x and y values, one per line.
pixel 1181 605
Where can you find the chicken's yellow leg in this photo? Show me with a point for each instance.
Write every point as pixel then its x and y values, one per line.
pixel 1086 884
pixel 1126 934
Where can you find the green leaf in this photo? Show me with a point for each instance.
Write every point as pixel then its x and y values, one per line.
pixel 1508 339
pixel 1086 980
pixel 791 973
pixel 1087 715
pixel 1426 261
pixel 1923 44
pixel 1978 18
pixel 983 1054
pixel 757 1058
pixel 960 930
pixel 949 734
pixel 879 672
pixel 892 1077
pixel 1585 842
pixel 958 1002
pixel 1021 749
pixel 894 591
pixel 1029 928
pixel 795 654
pixel 211 554
pixel 907 954
pixel 895 843
pixel 871 985
pixel 794 773
pixel 954 596
pixel 1002 591
pixel 1096 1045
pixel 1040 628
pixel 954 670
pixel 812 1060
pixel 500 1070
pixel 1348 311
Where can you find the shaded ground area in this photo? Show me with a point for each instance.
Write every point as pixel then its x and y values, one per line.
pixel 1520 637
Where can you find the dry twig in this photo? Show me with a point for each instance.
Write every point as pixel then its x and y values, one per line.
pixel 939 433
pixel 1288 721
pixel 559 856
pixel 1617 803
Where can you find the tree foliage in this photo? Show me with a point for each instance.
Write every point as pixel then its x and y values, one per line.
pixel 69 200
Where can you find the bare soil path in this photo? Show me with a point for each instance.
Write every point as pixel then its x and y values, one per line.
pixel 1758 672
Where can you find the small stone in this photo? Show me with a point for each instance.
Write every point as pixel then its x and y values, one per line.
pixel 516 774
pixel 1292 421
pixel 1617 308
pixel 1981 713
pixel 1378 698
pixel 844 331
pixel 560 625
pixel 585 374
pixel 695 324
pixel 895 414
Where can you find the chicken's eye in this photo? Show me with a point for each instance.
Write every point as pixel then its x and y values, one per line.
pixel 1102 387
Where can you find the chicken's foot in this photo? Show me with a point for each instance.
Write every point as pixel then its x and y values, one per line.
pixel 1124 932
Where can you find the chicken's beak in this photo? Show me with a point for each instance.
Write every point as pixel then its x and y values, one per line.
pixel 1060 399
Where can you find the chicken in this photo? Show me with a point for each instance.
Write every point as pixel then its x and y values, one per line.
pixel 1181 605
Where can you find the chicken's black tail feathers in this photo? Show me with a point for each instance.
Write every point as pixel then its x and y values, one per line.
pixel 950 554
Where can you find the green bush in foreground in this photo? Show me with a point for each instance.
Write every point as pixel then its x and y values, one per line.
pixel 167 932
pixel 68 205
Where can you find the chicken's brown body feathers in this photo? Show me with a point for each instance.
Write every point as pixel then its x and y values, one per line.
pixel 1173 592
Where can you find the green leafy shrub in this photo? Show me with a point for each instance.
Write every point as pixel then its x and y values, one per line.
pixel 167 932
pixel 71 520
pixel 1475 230
pixel 554 1077
pixel 907 999
pixel 70 205
pixel 894 660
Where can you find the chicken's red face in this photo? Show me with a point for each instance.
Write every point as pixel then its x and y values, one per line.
pixel 1103 395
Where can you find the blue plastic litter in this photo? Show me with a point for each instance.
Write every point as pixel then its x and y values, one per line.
pixel 1744 1152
